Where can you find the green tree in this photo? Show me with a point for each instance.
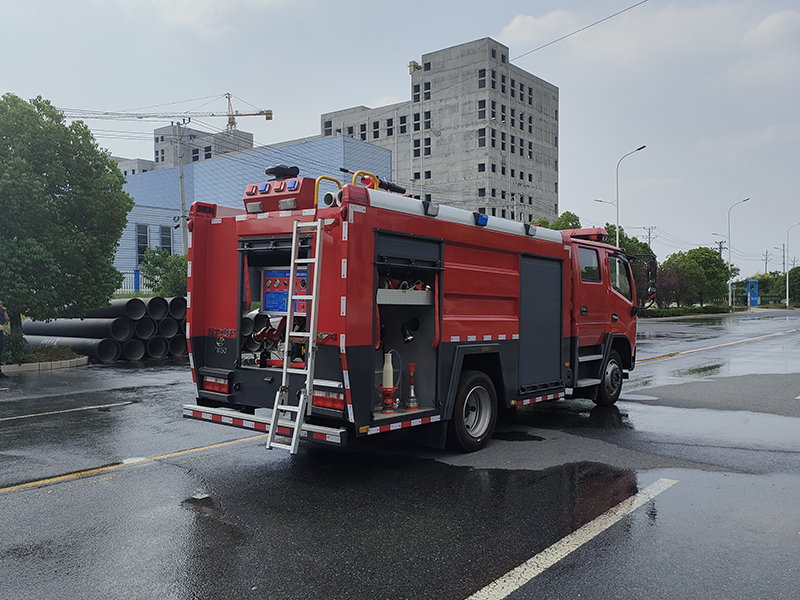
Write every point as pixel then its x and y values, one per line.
pixel 566 220
pixel 167 272
pixel 715 271
pixel 680 280
pixel 63 214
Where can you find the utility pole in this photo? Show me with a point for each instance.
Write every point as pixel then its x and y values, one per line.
pixel 721 244
pixel 766 260
pixel 184 228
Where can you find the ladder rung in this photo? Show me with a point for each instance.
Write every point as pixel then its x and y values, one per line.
pixel 297 371
pixel 286 407
pixel 300 334
pixel 280 445
pixel 308 225
pixel 306 261
pixel 287 423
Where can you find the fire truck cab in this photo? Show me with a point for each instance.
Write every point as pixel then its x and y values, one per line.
pixel 358 311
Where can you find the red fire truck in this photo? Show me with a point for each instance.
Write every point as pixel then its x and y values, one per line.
pixel 361 311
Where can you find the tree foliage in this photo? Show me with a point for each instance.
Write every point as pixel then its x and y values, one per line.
pixel 63 210
pixel 167 272
pixel 566 220
pixel 715 283
pixel 680 280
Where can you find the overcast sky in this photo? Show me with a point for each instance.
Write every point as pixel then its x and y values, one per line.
pixel 712 89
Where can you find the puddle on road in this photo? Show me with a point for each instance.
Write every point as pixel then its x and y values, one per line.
pixel 390 514
pixel 725 428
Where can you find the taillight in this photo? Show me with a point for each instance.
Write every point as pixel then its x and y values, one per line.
pixel 216 384
pixel 328 400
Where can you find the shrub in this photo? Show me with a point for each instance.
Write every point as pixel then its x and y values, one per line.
pixel 53 353
pixel 16 350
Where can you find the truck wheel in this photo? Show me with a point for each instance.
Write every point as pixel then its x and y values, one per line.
pixel 611 386
pixel 474 413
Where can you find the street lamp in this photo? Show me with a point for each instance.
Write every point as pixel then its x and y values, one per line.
pixel 617 202
pixel 730 292
pixel 785 266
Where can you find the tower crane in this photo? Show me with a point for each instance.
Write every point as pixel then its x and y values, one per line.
pixel 73 113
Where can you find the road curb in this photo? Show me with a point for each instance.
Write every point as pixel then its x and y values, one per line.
pixel 45 366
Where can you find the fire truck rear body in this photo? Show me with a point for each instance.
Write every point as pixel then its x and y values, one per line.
pixel 487 313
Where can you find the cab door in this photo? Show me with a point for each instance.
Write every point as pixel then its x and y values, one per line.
pixel 621 296
pixel 590 285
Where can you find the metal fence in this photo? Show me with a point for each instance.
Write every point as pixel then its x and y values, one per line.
pixel 133 281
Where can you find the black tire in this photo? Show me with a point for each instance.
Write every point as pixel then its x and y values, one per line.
pixel 474 412
pixel 611 385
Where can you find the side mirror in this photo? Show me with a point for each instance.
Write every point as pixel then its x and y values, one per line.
pixel 652 271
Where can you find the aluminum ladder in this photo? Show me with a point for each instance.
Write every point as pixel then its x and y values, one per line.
pixel 308 338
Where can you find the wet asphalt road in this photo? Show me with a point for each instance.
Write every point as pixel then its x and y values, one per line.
pixel 173 508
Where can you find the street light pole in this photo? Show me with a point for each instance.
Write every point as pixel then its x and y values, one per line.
pixel 618 163
pixel 785 265
pixel 730 292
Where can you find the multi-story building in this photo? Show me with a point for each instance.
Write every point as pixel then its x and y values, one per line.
pixel 176 144
pixel 478 133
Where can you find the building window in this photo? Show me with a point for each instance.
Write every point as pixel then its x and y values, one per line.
pixel 328 127
pixel 428 197
pixel 416 92
pixel 494 193
pixel 166 238
pixel 481 138
pixel 494 78
pixel 502 196
pixel 481 192
pixel 427 88
pixel 142 241
pixel 364 136
pixel 502 170
pixel 513 171
pixel 494 212
pixel 494 54
pixel 427 119
pixel 416 175
pixel 494 168
pixel 502 58
pixel 350 130
pixel 416 121
pixel 207 152
pixel 427 151
pixel 426 66
pixel 427 174
pixel 494 137
pixel 481 167
pixel 403 125
pixel 503 213
pixel 416 148
pixel 481 78
pixel 195 154
pixel 482 210
pixel 481 109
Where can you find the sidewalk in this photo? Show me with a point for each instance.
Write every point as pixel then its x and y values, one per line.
pixel 45 366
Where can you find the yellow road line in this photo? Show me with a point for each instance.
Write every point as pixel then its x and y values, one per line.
pixel 105 469
pixel 58 412
pixel 746 341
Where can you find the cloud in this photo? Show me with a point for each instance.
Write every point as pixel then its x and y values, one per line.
pixel 769 137
pixel 778 28
pixel 634 36
pixel 527 30
pixel 208 19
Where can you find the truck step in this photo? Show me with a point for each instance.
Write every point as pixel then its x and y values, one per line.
pixel 590 358
pixel 587 382
pixel 234 418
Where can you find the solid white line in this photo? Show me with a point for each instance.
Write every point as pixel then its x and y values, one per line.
pixel 518 577
pixel 58 412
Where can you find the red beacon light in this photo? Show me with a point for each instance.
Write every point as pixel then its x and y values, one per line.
pixel 593 234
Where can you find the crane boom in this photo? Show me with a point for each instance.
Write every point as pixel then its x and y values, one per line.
pixel 77 113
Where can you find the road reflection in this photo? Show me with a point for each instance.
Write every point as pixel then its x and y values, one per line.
pixel 311 526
